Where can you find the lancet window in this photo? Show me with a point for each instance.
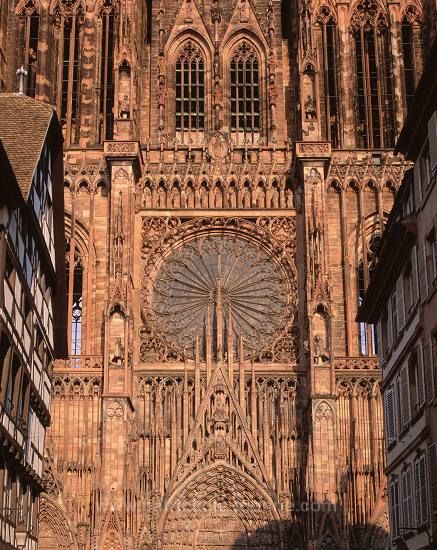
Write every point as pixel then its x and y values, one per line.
pixel 374 101
pixel 245 93
pixel 411 32
pixel 330 97
pixel 106 89
pixel 68 18
pixel 74 277
pixel 28 40
pixel 190 89
pixel 366 265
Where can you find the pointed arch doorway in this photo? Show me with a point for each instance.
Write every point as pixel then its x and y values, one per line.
pixel 220 508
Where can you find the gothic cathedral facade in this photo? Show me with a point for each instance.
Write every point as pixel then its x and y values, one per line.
pixel 228 173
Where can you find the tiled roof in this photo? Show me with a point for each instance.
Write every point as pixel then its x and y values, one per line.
pixel 24 123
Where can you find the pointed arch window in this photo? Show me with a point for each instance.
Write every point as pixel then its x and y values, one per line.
pixel 374 99
pixel 68 17
pixel 28 40
pixel 106 89
pixel 366 266
pixel 74 276
pixel 245 93
pixel 330 96
pixel 411 36
pixel 190 89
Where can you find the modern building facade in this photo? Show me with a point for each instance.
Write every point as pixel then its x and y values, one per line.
pixel 228 175
pixel 402 300
pixel 32 294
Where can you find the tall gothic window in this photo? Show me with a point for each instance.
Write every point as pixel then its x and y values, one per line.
pixel 245 82
pixel 366 265
pixel 28 40
pixel 106 89
pixel 411 51
pixel 329 99
pixel 74 275
pixel 190 89
pixel 374 101
pixel 68 17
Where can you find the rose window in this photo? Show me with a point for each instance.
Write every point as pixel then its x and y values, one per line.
pixel 223 282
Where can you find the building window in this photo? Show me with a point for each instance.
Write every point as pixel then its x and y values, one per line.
pixel 411 35
pixel 416 378
pixel 28 39
pixel 407 498
pixel 70 24
pixel 190 89
pixel 106 90
pixel 431 257
pixel 245 81
pixel 374 101
pixel 394 509
pixel 329 97
pixel 421 497
pixel 74 275
pixel 390 416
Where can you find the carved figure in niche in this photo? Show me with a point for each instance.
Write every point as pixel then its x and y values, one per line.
pixel 161 65
pixel 274 197
pixel 272 93
pixel 220 415
pixel 124 83
pixel 216 64
pixel 260 197
pixel 320 338
pixel 298 199
pixel 218 197
pixel 203 197
pixel 175 197
pixel 161 199
pixel 272 64
pixel 117 358
pixel 161 95
pixel 245 199
pixel 189 197
pixel 147 197
pixel 310 108
pixel 218 97
pixel 232 197
pixel 289 201
pixel 189 10
pixel 244 11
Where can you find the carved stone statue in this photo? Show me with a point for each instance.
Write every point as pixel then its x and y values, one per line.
pixel 124 107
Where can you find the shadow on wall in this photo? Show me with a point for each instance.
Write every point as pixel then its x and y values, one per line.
pixel 272 537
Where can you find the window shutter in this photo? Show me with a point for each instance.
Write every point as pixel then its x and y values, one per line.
pixel 420 485
pixel 400 303
pixel 389 327
pixel 420 378
pixel 432 465
pixel 394 509
pixel 427 369
pixel 407 499
pixel 414 276
pixel 417 186
pixel 404 396
pixel 390 425
pixel 421 265
pixel 380 343
pixel 394 317
pixel 432 133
